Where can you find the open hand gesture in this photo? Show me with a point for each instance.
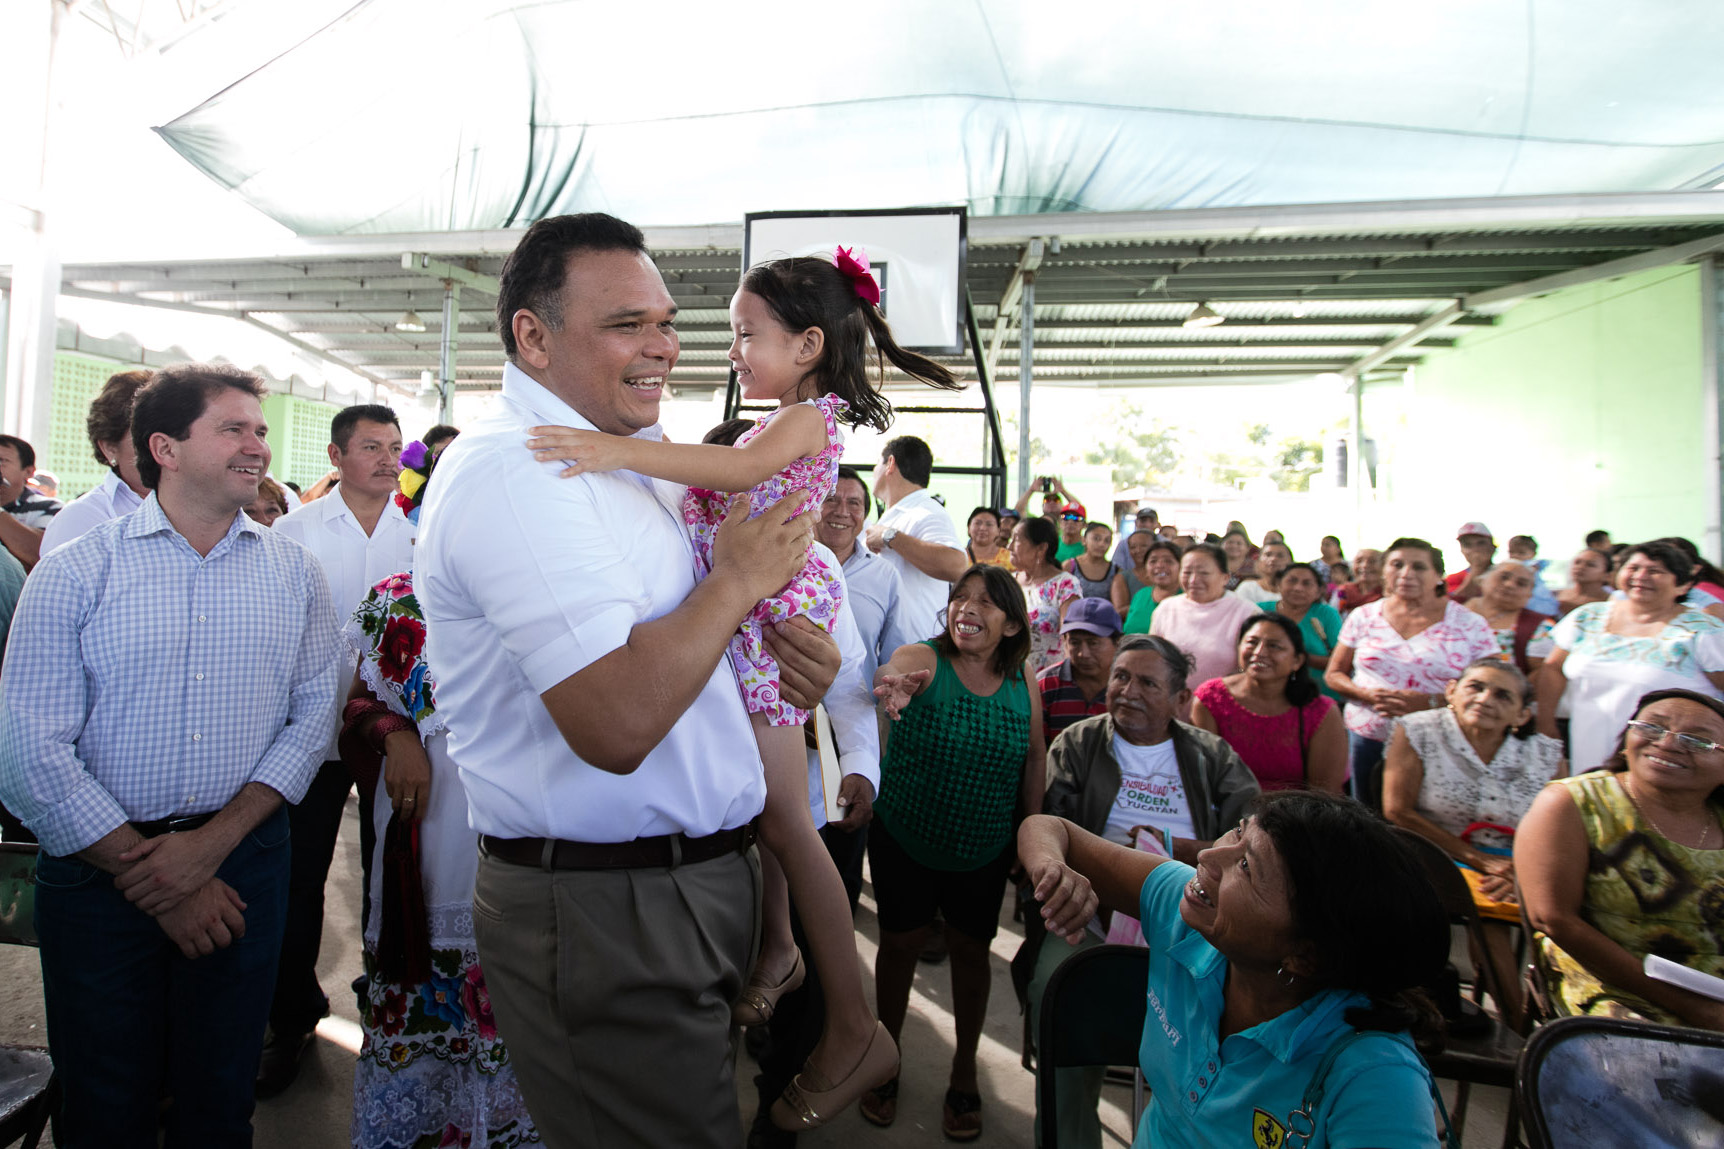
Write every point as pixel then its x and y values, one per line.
pixel 583 451
pixel 896 690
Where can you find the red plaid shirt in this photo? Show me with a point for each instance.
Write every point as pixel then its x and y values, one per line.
pixel 1063 701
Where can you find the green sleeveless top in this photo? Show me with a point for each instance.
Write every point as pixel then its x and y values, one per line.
pixel 953 767
pixel 1645 893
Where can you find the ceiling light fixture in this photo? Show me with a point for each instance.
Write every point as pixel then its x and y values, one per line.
pixel 1203 315
pixel 410 322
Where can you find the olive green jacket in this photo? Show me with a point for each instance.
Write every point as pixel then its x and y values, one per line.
pixel 1083 777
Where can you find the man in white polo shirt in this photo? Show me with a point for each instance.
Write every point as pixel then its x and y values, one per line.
pixel 610 767
pixel 915 535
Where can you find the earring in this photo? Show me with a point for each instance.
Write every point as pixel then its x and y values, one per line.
pixel 1284 977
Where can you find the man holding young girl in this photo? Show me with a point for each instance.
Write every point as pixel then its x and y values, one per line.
pixel 610 766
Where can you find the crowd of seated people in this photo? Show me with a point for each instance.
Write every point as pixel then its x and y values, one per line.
pixel 1196 736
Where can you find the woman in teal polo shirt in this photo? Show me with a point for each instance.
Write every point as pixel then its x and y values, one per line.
pixel 1287 959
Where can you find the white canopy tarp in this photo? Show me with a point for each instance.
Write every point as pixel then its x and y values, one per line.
pixel 430 115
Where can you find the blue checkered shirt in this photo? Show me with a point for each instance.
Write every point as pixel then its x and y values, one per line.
pixel 145 681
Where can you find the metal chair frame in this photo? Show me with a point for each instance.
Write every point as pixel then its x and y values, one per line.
pixel 17 927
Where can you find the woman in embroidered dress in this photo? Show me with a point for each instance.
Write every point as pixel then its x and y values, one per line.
pixel 1610 653
pixel 802 333
pixel 1463 777
pixel 1398 654
pixel 432 1071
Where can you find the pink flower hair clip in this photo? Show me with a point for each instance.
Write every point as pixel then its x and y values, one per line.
pixel 856 267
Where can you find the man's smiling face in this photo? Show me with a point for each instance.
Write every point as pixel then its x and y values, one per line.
pixel 611 354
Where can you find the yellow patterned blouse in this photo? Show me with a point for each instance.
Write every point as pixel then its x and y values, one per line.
pixel 1644 892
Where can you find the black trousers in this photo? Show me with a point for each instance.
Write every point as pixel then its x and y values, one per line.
pixel 796 1023
pixel 316 823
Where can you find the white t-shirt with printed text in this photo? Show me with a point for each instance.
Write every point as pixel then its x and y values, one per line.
pixel 1151 792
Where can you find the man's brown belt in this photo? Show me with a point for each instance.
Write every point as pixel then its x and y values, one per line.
pixel 663 852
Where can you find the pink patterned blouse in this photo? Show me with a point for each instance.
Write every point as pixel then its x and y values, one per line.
pixel 1426 662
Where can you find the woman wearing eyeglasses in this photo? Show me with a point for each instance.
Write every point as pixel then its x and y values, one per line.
pixel 1629 860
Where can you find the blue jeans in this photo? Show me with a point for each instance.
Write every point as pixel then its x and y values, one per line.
pixel 130 1018
pixel 1365 757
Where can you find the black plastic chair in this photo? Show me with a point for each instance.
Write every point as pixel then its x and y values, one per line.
pixel 1093 1011
pixel 1488 1057
pixel 28 1091
pixel 1606 1081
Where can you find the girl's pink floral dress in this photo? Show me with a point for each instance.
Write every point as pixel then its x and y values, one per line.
pixel 815 593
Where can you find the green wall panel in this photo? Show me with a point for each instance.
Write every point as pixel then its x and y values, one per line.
pixel 78 379
pixel 1578 410
pixel 298 437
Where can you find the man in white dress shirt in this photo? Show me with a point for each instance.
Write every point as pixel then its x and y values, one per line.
pixel 916 535
pixel 610 767
pixel 360 537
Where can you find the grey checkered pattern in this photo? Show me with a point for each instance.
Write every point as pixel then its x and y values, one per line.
pixel 143 681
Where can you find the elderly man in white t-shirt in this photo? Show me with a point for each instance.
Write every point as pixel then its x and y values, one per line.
pixel 916 535
pixel 610 768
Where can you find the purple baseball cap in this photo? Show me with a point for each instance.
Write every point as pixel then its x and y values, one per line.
pixel 1095 615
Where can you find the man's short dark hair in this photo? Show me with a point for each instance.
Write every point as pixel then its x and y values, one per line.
pixel 110 417
pixel 915 458
pixel 438 435
pixel 342 426
pixel 533 275
pixel 1596 539
pixel 25 452
pixel 175 399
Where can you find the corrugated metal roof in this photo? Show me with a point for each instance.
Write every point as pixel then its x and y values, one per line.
pixel 1296 302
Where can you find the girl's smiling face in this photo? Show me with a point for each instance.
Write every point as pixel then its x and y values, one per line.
pixel 770 361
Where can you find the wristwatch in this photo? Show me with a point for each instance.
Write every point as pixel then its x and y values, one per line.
pixel 887 535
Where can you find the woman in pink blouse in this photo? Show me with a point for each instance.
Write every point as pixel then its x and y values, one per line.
pixel 1289 735
pixel 1204 622
pixel 1397 655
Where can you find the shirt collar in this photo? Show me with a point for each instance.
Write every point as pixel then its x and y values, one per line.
pixel 546 408
pixel 150 519
pixel 120 496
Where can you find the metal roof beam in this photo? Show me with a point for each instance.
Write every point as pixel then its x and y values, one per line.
pixel 422 263
pixel 1645 261
pixel 1029 260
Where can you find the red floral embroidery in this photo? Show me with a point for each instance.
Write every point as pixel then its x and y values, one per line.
pixel 403 639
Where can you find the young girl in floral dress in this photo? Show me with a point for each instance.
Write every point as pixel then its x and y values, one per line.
pixel 802 329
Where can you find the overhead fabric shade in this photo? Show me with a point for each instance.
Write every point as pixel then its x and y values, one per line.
pixel 434 115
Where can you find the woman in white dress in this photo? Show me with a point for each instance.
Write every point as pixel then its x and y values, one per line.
pixel 1608 654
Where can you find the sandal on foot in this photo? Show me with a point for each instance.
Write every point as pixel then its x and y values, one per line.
pixel 758 999
pixel 809 1102
pixel 880 1104
pixel 962 1118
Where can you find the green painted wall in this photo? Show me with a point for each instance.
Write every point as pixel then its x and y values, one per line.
pixel 1578 410
pixel 78 379
pixel 298 437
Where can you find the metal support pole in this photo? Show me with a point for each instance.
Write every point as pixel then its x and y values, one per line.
pixel 1026 352
pixel 1356 470
pixel 30 326
pixel 1711 417
pixel 446 354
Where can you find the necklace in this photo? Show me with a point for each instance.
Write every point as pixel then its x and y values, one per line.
pixel 1705 831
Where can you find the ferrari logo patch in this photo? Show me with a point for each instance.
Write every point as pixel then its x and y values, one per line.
pixel 1266 1132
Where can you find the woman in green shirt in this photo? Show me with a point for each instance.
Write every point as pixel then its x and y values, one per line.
pixel 964 764
pixel 1319 623
pixel 1161 565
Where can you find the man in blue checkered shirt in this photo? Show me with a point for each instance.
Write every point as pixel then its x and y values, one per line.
pixel 169 684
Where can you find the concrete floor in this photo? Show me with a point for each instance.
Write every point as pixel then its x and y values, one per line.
pixel 317 1110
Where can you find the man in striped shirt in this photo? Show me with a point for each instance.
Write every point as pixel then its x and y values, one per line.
pixel 170 682
pixel 1076 687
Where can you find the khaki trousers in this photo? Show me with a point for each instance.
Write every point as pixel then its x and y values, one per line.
pixel 612 990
